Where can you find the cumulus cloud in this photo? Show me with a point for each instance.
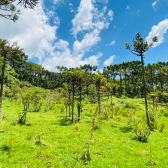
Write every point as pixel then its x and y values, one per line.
pixel 109 61
pixel 84 17
pixel 154 4
pixel 159 31
pixel 66 58
pixel 32 32
pixel 85 45
pixel 91 21
pixel 89 17
pixel 112 43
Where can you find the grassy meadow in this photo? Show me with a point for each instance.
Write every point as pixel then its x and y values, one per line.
pixel 49 140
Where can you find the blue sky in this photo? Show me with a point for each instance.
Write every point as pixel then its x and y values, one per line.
pixel 76 32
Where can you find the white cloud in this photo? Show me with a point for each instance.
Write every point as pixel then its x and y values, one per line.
pixel 89 40
pixel 32 32
pixel 83 19
pixel 71 7
pixel 58 1
pixel 111 14
pixel 109 61
pixel 65 58
pixel 128 7
pixel 92 60
pixel 154 4
pixel 91 21
pixel 101 70
pixel 89 18
pixel 159 31
pixel 112 43
pixel 50 13
pixel 39 39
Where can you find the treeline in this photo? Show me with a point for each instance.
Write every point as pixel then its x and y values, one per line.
pixel 73 84
pixel 126 76
pixel 130 78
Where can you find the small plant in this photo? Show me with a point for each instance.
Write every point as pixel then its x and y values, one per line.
pixel 142 134
pixel 22 117
pixel 38 138
pixel 153 120
pixel 29 136
pixel 162 127
pixel 86 154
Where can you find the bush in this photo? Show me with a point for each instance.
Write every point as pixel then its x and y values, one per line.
pixel 86 154
pixel 162 127
pixel 22 117
pixel 142 131
pixel 142 134
pixel 153 120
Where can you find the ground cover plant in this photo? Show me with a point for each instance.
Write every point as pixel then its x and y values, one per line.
pixel 48 139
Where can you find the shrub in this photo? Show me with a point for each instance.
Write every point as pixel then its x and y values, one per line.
pixel 22 117
pixel 153 120
pixel 86 154
pixel 162 127
pixel 142 134
pixel 142 131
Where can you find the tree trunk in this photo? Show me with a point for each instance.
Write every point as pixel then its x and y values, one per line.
pixel 2 81
pixel 112 104
pixel 114 89
pixel 144 86
pixel 66 111
pixel 120 85
pixel 99 96
pixel 79 106
pixel 73 94
pixel 152 79
pixel 125 85
pixel 69 103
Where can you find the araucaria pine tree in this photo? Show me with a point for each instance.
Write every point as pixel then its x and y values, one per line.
pixel 140 46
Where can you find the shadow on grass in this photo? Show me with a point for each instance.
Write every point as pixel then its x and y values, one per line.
pixel 65 122
pixel 139 140
pixel 114 126
pixel 125 129
pixel 6 148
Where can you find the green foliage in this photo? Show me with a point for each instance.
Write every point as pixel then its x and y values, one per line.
pixel 161 127
pixel 142 134
pixel 153 119
pixel 50 139
pixel 33 98
pixel 92 93
pixel 9 6
pixel 22 117
pixel 85 156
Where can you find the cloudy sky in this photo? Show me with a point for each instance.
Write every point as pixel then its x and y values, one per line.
pixel 76 32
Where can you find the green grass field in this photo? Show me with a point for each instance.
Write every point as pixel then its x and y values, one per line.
pixel 47 140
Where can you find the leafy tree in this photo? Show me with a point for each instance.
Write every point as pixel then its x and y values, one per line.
pixel 99 81
pixel 6 53
pixel 8 6
pixel 110 87
pixel 139 48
